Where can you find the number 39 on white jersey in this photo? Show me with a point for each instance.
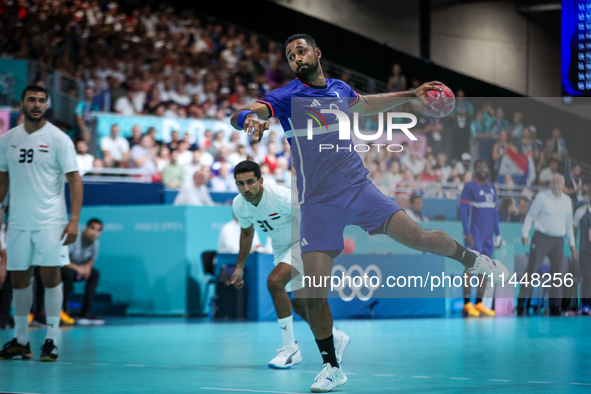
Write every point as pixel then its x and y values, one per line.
pixel 36 164
pixel 272 216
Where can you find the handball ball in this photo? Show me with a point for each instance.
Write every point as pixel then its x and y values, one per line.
pixel 349 246
pixel 440 103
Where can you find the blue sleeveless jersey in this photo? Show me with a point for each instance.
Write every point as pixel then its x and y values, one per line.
pixel 318 172
pixel 478 210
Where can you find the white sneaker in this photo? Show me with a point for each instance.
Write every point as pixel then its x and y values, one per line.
pixel 286 358
pixel 486 266
pixel 341 341
pixel 328 379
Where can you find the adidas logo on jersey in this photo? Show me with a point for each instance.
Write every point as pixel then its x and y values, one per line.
pixel 304 242
pixel 315 103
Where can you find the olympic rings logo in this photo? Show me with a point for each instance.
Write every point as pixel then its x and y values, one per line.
pixel 356 279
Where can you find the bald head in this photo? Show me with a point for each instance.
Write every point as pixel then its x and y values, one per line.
pixel 557 184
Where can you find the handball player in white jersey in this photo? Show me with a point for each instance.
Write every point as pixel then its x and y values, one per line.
pixel 34 158
pixel 269 209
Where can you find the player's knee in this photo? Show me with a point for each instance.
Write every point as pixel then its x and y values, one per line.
pixel 20 279
pixel 275 285
pixel 50 276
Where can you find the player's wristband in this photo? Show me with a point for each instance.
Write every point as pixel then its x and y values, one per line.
pixel 242 117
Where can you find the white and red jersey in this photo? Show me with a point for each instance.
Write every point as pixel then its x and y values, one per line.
pixel 36 164
pixel 275 215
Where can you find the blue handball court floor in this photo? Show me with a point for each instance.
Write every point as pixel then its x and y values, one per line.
pixel 175 355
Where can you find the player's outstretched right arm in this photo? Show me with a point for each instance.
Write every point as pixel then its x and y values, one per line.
pixel 252 119
pixel 246 237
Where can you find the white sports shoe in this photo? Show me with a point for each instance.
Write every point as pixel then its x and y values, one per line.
pixel 341 341
pixel 286 358
pixel 328 379
pixel 486 266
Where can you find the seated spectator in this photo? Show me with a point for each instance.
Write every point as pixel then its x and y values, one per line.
pixel 573 186
pixel 175 141
pixel 445 168
pixel 528 147
pixel 271 157
pixel 143 156
pixel 173 174
pixel 522 208
pixel 185 155
pixel 179 96
pixel 194 165
pixel 82 112
pixel 266 174
pixel 152 133
pixel 397 80
pixel 463 165
pixel 477 127
pixel 229 239
pixel 274 76
pixel 238 156
pixel 427 174
pixel 516 128
pixel 136 135
pixel 115 149
pixel 415 211
pixel 548 173
pixel 84 254
pixel 413 162
pixel 508 210
pixel 498 123
pixel 163 158
pixel 282 173
pixel 499 149
pixel 224 181
pixel 124 104
pixel 393 177
pixel 83 158
pixel 468 177
pixel 195 192
pixel 556 146
pixel 192 145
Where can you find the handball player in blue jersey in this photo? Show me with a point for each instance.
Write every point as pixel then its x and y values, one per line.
pixel 480 221
pixel 333 189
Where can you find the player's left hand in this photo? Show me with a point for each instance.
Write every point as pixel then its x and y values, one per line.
pixel 237 280
pixel 70 232
pixel 422 90
pixel 573 249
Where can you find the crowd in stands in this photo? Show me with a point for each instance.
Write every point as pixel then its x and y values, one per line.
pixel 160 62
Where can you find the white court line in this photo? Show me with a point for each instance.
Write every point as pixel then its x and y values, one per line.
pixel 498 380
pixel 460 378
pixel 249 391
pixel 421 377
pixel 536 382
pixel 134 365
pixel 378 374
pixel 582 384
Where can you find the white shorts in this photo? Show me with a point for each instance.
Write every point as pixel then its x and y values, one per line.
pixel 293 257
pixel 44 248
pixel 3 237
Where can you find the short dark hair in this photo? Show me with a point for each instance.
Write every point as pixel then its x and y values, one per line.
pixel 481 160
pixel 93 221
pixel 414 198
pixel 247 166
pixel 34 89
pixel 294 37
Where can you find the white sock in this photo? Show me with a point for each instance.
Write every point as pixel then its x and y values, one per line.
pixel 286 325
pixel 23 301
pixel 54 297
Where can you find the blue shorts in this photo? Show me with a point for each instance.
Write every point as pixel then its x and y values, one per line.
pixel 483 245
pixel 325 217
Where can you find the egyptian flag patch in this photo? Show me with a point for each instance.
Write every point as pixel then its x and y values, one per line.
pixel 43 148
pixel 274 216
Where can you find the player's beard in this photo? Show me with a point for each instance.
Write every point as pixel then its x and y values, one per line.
pixel 34 118
pixel 309 71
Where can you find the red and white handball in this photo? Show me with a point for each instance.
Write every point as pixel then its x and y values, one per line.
pixel 440 103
